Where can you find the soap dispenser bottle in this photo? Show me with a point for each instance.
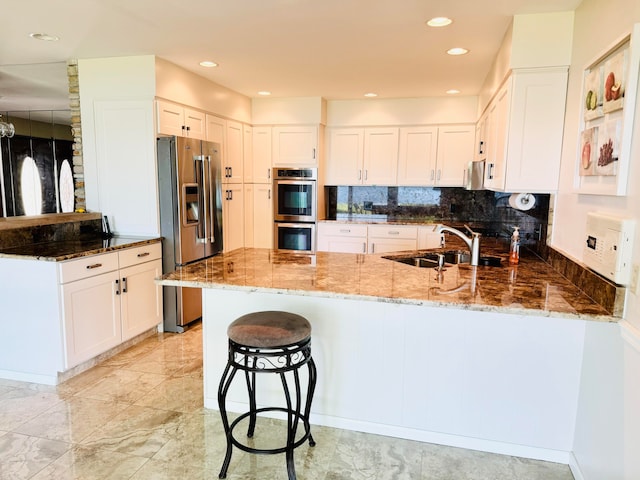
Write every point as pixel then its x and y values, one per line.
pixel 514 248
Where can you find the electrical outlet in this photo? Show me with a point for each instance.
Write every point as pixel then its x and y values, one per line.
pixel 635 272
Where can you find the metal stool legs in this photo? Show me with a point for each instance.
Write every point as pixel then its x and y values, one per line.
pixel 249 360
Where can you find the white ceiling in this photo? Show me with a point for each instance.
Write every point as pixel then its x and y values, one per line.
pixel 336 49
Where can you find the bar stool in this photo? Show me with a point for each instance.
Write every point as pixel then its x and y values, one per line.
pixel 269 342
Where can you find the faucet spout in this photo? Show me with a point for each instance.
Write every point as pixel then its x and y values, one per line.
pixel 472 242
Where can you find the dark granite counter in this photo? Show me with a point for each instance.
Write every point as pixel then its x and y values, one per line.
pixel 57 251
pixel 531 288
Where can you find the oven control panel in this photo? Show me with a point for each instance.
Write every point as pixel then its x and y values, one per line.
pixel 607 248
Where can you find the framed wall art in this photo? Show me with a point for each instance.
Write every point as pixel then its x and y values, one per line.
pixel 608 102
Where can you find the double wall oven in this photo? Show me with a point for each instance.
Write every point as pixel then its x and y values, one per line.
pixel 295 209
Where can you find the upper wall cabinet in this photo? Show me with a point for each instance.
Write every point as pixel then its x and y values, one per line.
pixel 524 131
pixel 416 156
pixel 295 146
pixel 233 158
pixel 362 156
pixel 177 120
pixel 435 156
pixel 260 169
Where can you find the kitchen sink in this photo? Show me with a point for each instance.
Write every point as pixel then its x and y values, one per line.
pixel 450 257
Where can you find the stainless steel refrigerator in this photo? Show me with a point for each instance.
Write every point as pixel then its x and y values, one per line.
pixel 189 183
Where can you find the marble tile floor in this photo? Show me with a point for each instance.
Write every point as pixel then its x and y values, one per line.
pixel 139 416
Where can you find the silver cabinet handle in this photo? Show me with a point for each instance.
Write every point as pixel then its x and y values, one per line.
pixel 393 232
pixel 373 248
pixel 433 174
pixel 364 247
pixel 92 266
pixel 117 287
pixel 439 172
pixel 366 174
pixel 269 194
pixel 124 284
pixel 314 154
pixel 143 254
pixel 268 174
pixel 359 174
pixel 345 230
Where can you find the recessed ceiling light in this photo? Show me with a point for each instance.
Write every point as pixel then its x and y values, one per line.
pixel 453 91
pixel 457 51
pixel 370 94
pixel 439 22
pixel 264 93
pixel 44 36
pixel 208 64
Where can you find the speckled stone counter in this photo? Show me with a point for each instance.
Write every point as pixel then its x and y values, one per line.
pixel 531 288
pixel 68 249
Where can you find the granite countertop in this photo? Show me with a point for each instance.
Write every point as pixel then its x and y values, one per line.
pixel 58 251
pixel 530 288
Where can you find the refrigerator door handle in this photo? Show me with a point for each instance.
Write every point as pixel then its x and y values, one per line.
pixel 210 198
pixel 203 205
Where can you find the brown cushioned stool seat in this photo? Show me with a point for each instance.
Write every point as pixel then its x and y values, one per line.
pixel 269 342
pixel 269 329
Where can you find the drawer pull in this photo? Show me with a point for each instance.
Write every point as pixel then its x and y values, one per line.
pixel 94 265
pixel 143 254
pixel 394 232
pixel 345 230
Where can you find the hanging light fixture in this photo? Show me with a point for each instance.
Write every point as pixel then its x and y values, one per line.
pixel 6 129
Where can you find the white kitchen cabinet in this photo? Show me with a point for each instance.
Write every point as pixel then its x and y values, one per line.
pixel 233 158
pixel 107 299
pixel 428 237
pixel 417 155
pixel 435 156
pixel 362 156
pixel 174 119
pixel 344 157
pixel 380 156
pixel 258 215
pixel 260 170
pixel 391 238
pixel 342 237
pixel 455 151
pixel 295 145
pixel 247 153
pixel 91 310
pixel 141 298
pixel 480 152
pixel 215 127
pixel 233 216
pixel 526 121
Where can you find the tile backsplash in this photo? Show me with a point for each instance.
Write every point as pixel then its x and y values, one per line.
pixel 483 210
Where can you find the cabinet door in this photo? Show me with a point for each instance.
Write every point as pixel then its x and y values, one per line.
pixel 340 237
pixel 125 142
pixel 141 298
pixel 428 237
pixel 385 245
pixel 535 132
pixel 496 154
pixel 417 156
pixel 215 129
pixel 344 158
pixel 233 216
pixel 195 124
pixel 91 309
pixel 170 118
pixel 455 151
pixel 380 156
pixel 262 216
pixel 247 153
pixel 261 171
pixel 481 139
pixel 233 160
pixel 295 146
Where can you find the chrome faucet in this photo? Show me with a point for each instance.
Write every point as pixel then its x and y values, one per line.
pixel 473 242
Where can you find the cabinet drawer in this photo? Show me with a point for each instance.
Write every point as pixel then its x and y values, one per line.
pixel 136 255
pixel 90 266
pixel 390 231
pixel 342 229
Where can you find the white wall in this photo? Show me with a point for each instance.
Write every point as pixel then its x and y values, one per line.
pixel 181 86
pixel 289 111
pixel 606 442
pixel 405 111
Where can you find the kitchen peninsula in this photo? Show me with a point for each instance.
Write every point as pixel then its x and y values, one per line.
pixel 487 358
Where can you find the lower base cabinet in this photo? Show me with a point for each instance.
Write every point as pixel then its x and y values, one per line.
pixel 362 238
pixel 108 299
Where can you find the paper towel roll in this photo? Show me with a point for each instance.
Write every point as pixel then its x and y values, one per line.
pixel 522 201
